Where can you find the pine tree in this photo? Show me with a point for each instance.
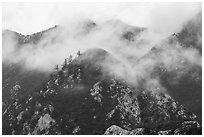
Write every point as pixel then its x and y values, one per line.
pixel 65 62
pixel 79 53
pixel 70 59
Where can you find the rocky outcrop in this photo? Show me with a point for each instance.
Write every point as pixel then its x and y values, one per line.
pixel 115 130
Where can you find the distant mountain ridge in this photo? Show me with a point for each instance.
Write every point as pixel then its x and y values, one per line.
pixel 33 38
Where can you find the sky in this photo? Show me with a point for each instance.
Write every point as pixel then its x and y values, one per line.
pixel 28 18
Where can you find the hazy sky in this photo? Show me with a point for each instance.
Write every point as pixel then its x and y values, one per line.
pixel 28 18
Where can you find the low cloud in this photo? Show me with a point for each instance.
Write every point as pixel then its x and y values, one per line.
pixel 136 58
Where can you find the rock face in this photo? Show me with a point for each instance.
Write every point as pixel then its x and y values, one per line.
pixel 45 122
pixel 185 129
pixel 79 99
pixel 115 130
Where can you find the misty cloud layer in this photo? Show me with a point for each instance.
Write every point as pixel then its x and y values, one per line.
pixel 136 59
pixel 28 18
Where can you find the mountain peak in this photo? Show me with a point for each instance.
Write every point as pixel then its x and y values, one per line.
pixel 32 38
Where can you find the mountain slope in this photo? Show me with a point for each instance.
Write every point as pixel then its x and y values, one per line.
pixel 79 100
